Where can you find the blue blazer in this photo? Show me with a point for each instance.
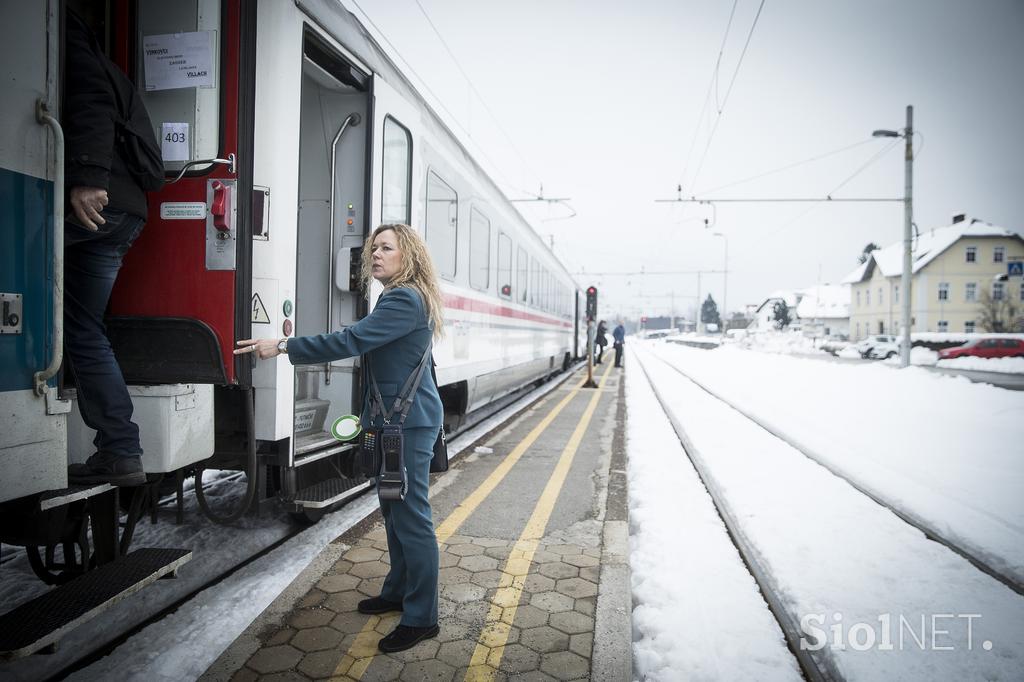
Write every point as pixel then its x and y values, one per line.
pixel 394 337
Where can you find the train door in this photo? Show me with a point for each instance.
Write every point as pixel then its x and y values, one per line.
pixel 183 294
pixel 33 454
pixel 332 222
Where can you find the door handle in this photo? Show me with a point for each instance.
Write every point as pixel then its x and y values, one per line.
pixel 219 208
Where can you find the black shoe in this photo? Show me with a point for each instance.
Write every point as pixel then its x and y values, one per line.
pixel 375 605
pixel 103 467
pixel 404 636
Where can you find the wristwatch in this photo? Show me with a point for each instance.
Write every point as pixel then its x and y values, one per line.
pixel 282 346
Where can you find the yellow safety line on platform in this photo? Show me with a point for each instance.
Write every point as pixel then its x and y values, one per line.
pixel 364 648
pixel 486 659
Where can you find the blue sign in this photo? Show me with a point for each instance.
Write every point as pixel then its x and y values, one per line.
pixel 1015 268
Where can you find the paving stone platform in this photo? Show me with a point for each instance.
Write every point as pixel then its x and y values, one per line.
pixel 574 587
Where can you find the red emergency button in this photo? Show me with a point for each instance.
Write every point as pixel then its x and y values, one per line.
pixel 219 207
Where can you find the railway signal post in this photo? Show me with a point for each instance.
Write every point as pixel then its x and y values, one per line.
pixel 591 317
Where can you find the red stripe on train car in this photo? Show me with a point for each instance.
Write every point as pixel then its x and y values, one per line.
pixel 476 306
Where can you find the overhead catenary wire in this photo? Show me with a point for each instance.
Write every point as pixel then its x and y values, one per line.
pixel 476 92
pixel 494 166
pixel 728 92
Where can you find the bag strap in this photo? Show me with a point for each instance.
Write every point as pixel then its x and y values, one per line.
pixel 403 403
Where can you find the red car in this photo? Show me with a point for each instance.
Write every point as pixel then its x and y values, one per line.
pixel 985 348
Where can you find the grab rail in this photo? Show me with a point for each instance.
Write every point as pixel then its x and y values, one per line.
pixel 43 117
pixel 352 119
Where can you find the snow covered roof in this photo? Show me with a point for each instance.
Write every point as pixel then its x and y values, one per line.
pixel 791 297
pixel 825 301
pixel 928 246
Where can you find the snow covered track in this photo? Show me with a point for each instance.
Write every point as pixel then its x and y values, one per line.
pixel 814 669
pixel 978 559
pixel 872 597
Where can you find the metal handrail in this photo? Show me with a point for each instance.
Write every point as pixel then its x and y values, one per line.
pixel 43 117
pixel 230 162
pixel 352 119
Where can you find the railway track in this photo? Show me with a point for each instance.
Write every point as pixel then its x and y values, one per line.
pixel 815 665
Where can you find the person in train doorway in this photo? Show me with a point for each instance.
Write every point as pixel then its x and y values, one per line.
pixel 618 341
pixel 407 317
pixel 600 340
pixel 105 212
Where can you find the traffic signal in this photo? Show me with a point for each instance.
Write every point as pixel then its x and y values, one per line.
pixel 591 303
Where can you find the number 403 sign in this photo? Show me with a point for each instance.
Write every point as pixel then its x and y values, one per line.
pixel 174 142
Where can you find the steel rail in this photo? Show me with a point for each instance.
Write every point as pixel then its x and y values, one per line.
pixel 814 670
pixel 928 529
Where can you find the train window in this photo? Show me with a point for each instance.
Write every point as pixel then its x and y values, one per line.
pixel 504 265
pixel 442 224
pixel 534 282
pixel 183 104
pixel 521 273
pixel 479 250
pixel 397 168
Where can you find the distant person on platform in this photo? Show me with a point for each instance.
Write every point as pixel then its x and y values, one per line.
pixel 601 340
pixel 619 339
pixel 105 212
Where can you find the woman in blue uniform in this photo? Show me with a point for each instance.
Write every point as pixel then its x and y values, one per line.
pixel 394 336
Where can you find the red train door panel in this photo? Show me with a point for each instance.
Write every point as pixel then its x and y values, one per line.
pixel 181 297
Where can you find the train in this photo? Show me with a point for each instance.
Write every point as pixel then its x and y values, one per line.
pixel 287 134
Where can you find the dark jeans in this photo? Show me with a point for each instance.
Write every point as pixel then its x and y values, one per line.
pixel 91 263
pixel 618 355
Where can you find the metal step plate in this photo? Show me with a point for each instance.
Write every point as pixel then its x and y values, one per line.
pixel 44 620
pixel 326 493
pixel 73 493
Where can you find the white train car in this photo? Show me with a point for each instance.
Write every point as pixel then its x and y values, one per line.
pixel 288 135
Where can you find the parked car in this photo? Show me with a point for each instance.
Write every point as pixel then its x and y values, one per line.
pixel 985 348
pixel 878 346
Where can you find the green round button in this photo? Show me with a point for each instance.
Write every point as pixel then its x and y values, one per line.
pixel 287 307
pixel 346 427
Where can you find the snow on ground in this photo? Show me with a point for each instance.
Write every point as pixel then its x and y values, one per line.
pixel 839 561
pixel 939 446
pixel 1007 365
pixel 677 543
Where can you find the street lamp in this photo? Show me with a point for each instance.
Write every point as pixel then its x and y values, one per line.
pixel 725 280
pixel 908 216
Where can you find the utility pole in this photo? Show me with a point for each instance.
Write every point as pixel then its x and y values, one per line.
pixel 700 305
pixel 908 233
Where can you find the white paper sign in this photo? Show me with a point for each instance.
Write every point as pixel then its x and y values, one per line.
pixel 178 60
pixel 174 144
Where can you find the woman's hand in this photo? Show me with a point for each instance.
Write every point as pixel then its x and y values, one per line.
pixel 264 348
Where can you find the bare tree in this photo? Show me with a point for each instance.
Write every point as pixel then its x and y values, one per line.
pixel 999 314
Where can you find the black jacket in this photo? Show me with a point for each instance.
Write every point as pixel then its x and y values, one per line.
pixel 91 112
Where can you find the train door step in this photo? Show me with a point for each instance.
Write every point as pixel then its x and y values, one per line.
pixel 41 622
pixel 326 493
pixel 58 498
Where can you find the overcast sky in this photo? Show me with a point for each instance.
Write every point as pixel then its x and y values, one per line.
pixel 601 101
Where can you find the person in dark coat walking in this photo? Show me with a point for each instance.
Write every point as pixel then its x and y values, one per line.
pixel 108 210
pixel 600 340
pixel 394 337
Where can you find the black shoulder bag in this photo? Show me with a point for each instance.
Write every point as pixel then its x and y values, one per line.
pixel 382 452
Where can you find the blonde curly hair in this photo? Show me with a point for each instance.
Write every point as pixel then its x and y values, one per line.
pixel 417 271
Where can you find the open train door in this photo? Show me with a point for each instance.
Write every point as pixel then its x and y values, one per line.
pixel 184 293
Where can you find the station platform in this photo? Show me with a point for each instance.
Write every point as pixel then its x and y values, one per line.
pixel 534 583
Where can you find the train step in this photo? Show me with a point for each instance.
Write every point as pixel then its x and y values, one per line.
pixel 326 493
pixel 41 622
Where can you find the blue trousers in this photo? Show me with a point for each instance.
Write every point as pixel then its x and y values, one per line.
pixel 412 544
pixel 91 263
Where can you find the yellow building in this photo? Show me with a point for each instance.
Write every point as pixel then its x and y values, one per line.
pixel 952 266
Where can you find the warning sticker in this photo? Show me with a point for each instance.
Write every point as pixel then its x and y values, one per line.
pixel 259 311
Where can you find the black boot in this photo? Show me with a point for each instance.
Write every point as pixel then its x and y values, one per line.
pixel 103 467
pixel 375 605
pixel 404 637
